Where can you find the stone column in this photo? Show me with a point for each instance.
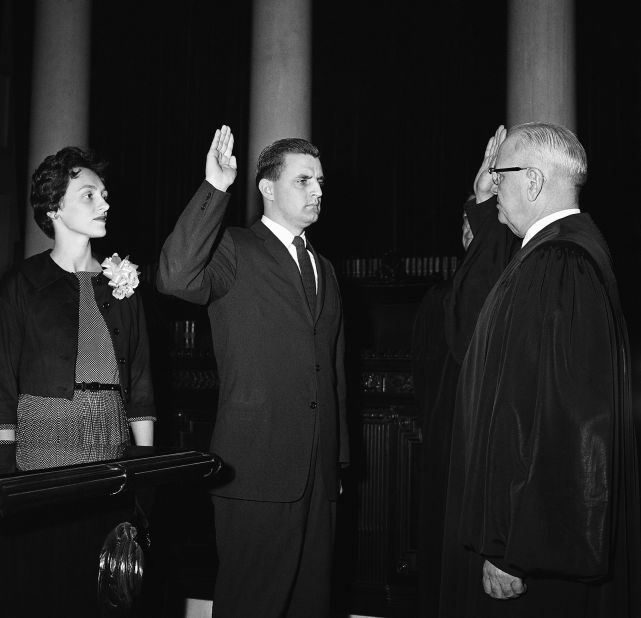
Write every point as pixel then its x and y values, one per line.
pixel 541 62
pixel 9 229
pixel 59 90
pixel 281 76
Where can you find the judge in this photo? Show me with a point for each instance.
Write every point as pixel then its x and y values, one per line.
pixel 542 513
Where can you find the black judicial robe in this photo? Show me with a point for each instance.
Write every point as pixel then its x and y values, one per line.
pixel 543 474
pixel 443 327
pixel 487 256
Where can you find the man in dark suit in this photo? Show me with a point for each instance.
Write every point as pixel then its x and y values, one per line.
pixel 276 319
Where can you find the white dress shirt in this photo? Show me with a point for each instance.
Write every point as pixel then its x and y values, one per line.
pixel 541 223
pixel 286 237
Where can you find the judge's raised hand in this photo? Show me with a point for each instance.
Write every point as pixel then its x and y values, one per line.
pixel 220 169
pixel 483 185
pixel 501 585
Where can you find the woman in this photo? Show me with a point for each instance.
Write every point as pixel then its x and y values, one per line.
pixel 74 370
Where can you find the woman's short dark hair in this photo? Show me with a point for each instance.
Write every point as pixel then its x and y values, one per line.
pixel 272 159
pixel 50 181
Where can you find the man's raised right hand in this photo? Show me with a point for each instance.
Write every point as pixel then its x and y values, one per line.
pixel 483 185
pixel 221 169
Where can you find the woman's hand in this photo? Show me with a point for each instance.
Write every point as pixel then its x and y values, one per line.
pixel 143 432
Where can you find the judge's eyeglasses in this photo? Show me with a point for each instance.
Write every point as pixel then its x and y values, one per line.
pixel 497 171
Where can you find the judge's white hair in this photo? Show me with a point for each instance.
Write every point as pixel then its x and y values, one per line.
pixel 556 145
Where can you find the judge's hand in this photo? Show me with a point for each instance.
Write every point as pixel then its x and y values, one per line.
pixel 501 585
pixel 220 169
pixel 483 185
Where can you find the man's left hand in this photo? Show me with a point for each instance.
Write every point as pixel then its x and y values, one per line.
pixel 501 585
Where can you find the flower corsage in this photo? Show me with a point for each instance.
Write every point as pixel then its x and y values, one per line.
pixel 123 275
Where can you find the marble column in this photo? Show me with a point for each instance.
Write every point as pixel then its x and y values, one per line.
pixel 9 229
pixel 281 77
pixel 541 62
pixel 59 91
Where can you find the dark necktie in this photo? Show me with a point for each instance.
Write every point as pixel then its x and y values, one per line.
pixel 306 271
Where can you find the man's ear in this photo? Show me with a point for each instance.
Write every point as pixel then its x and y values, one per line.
pixel 266 188
pixel 536 179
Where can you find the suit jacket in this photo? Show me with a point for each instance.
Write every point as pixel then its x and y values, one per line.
pixel 280 367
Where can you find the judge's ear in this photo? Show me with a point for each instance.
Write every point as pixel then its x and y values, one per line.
pixel 536 179
pixel 266 188
pixel 52 214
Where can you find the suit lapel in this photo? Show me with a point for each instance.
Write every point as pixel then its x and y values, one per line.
pixel 288 266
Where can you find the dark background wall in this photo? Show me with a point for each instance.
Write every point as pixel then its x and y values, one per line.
pixel 405 96
pixel 401 111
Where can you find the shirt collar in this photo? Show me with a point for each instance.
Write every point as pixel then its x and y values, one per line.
pixel 545 221
pixel 282 233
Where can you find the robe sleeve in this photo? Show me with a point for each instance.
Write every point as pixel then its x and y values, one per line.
pixel 487 256
pixel 550 475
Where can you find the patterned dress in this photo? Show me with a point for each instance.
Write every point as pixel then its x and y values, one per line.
pixel 92 426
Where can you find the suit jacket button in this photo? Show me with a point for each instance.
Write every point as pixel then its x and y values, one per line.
pixel 317 367
pixel 106 305
pixel 206 201
pixel 116 331
pixel 122 361
pixel 313 405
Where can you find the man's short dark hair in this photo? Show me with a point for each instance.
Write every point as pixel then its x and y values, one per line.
pixel 50 181
pixel 272 159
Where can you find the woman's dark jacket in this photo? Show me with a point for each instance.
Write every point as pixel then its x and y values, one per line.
pixel 39 309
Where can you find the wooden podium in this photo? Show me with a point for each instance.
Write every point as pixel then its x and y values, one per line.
pixel 75 541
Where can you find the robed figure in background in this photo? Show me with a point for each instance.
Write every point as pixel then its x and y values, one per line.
pixel 443 326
